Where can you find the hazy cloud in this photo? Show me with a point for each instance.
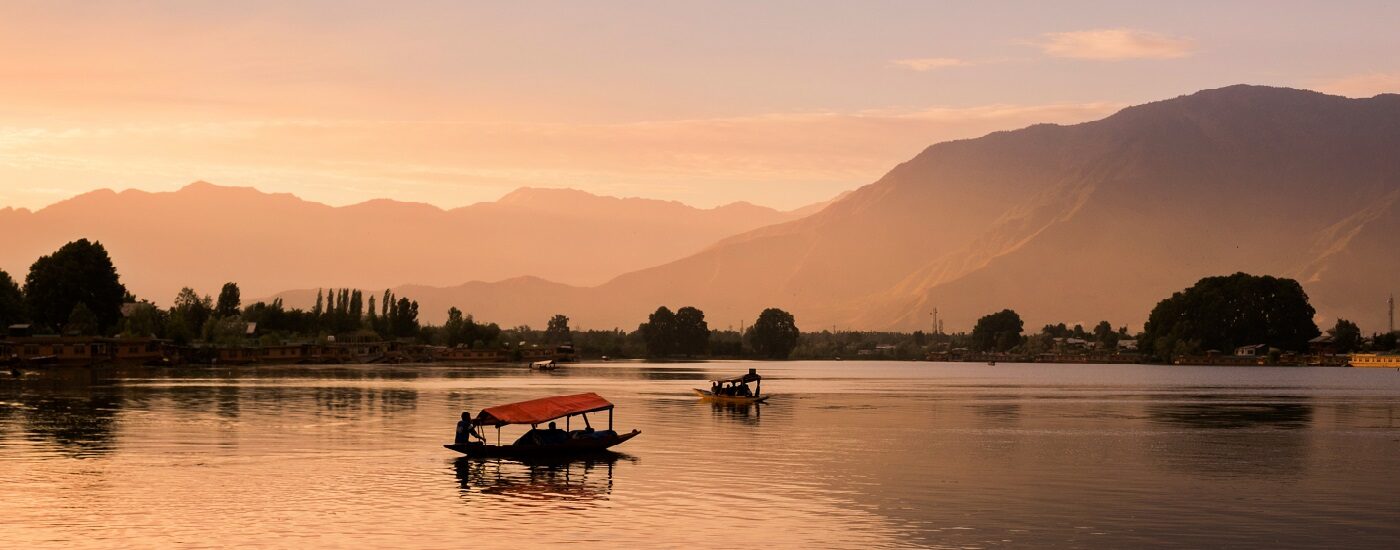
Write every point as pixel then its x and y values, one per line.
pixel 1362 85
pixel 777 159
pixel 1111 44
pixel 931 63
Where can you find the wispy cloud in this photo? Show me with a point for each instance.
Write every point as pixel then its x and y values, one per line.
pixel 780 159
pixel 1114 44
pixel 932 63
pixel 1362 85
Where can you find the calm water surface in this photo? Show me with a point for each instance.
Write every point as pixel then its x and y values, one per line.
pixel 849 454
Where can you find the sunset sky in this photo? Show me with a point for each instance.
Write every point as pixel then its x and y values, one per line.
pixel 450 103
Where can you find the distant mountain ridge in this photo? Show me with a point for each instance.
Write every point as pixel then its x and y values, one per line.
pixel 1076 223
pixel 204 234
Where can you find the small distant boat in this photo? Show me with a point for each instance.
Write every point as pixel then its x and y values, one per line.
pixel 547 443
pixel 991 363
pixel 544 365
pixel 735 390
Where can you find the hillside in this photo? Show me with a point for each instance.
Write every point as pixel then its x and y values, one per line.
pixel 203 235
pixel 1062 223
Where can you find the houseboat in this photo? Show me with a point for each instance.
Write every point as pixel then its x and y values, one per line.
pixel 1374 360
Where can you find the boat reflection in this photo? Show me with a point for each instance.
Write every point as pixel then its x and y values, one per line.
pixel 583 479
pixel 748 413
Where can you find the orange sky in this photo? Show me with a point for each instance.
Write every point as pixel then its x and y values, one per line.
pixel 453 103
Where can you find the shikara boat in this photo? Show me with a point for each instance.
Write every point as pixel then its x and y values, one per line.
pixel 735 390
pixel 544 365
pixel 546 443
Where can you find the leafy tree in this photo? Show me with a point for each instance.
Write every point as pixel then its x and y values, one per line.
pixel 1385 342
pixel 454 330
pixel 1346 336
pixel 188 315
pixel 999 331
pixel 659 332
pixel 692 332
pixel 1105 335
pixel 145 320
pixel 79 272
pixel 774 334
pixel 405 318
pixel 320 303
pixel 81 321
pixel 11 302
pixel 557 330
pixel 1226 312
pixel 229 301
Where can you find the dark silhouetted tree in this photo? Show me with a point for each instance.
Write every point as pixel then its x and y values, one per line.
pixel 692 332
pixel 188 315
pixel 999 331
pixel 557 331
pixel 774 334
pixel 1346 336
pixel 659 333
pixel 11 302
pixel 81 321
pixel 79 272
pixel 1226 312
pixel 230 301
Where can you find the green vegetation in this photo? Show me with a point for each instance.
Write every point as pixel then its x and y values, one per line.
pixel 774 335
pixel 1346 336
pixel 80 272
pixel 668 334
pixel 76 290
pixel 12 308
pixel 1223 313
pixel 1000 331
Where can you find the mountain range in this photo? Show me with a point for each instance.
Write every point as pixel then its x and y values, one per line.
pixel 203 235
pixel 1072 224
pixel 1076 224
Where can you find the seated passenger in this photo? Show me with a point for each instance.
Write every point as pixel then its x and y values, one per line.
pixel 553 435
pixel 743 390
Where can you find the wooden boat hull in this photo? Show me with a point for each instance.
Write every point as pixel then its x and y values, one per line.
pixel 571 448
pixel 737 399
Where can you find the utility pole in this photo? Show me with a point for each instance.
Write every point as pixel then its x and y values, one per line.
pixel 1392 313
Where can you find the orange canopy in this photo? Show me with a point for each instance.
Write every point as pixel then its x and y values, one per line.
pixel 536 411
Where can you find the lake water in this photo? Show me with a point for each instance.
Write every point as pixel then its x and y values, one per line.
pixel 846 454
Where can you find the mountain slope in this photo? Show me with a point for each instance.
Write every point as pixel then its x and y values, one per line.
pixel 203 235
pixel 1067 223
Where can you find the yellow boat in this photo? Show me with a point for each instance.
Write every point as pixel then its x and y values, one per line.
pixel 1374 360
pixel 735 390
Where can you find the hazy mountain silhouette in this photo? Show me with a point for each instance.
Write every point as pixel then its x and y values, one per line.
pixel 203 235
pixel 1062 223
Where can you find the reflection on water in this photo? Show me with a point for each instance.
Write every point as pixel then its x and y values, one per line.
pixel 584 479
pixel 853 455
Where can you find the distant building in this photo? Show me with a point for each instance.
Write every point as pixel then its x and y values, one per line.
pixel 1127 344
pixel 1255 350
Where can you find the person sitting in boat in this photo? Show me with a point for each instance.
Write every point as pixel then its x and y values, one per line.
pixel 553 435
pixel 466 430
pixel 742 390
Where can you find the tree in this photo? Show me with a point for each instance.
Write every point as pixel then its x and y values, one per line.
pixel 774 334
pixel 79 272
pixel 557 331
pixel 11 302
pixel 1226 312
pixel 692 332
pixel 1105 335
pixel 998 331
pixel 229 301
pixel 454 330
pixel 81 321
pixel 188 315
pixel 145 320
pixel 659 332
pixel 1346 336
